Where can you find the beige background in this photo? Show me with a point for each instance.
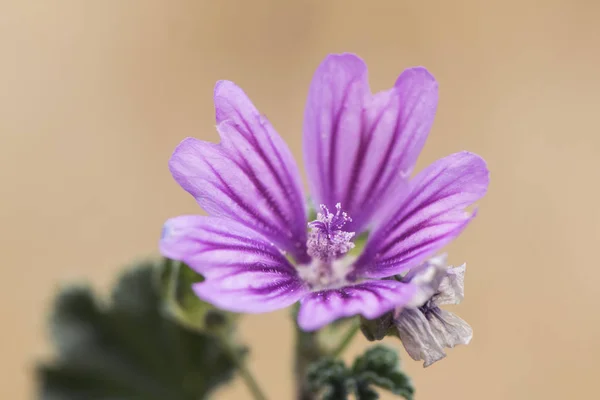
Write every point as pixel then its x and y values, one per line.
pixel 94 96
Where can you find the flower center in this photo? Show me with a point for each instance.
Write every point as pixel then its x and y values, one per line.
pixel 327 243
pixel 326 240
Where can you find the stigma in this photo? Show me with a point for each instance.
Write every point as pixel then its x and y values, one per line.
pixel 327 241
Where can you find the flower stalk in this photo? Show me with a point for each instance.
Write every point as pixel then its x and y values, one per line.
pixel 308 351
pixel 346 339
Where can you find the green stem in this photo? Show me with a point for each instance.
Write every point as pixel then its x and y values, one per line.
pixel 307 352
pixel 347 339
pixel 244 371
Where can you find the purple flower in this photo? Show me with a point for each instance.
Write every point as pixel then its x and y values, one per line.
pixel 255 250
pixel 424 328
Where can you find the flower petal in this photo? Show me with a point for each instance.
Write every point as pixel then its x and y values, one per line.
pixel 450 329
pixel 427 277
pixel 369 299
pixel 244 272
pixel 250 176
pixel 425 336
pixel 418 337
pixel 360 148
pixel 431 215
pixel 452 287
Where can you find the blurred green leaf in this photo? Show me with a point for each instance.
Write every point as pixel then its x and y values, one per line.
pixel 127 349
pixel 377 367
pixel 380 367
pixel 331 379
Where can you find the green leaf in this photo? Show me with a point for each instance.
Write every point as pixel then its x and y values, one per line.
pixel 377 367
pixel 127 349
pixel 330 378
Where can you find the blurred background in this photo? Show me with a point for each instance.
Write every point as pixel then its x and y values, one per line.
pixel 94 96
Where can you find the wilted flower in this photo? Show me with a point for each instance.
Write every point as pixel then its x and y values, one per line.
pixel 359 148
pixel 425 329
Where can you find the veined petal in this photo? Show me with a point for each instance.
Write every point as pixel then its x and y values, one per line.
pixel 418 337
pixel 432 214
pixel 333 124
pixel 450 329
pixel 360 148
pixel 251 292
pixel 370 299
pixel 428 278
pixel 424 328
pixel 250 176
pixel 426 335
pixel 452 287
pixel 243 271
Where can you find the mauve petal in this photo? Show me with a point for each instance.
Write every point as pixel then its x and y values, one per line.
pixel 359 148
pixel 243 271
pixel 250 176
pixel 333 125
pixel 432 214
pixel 251 292
pixel 370 299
